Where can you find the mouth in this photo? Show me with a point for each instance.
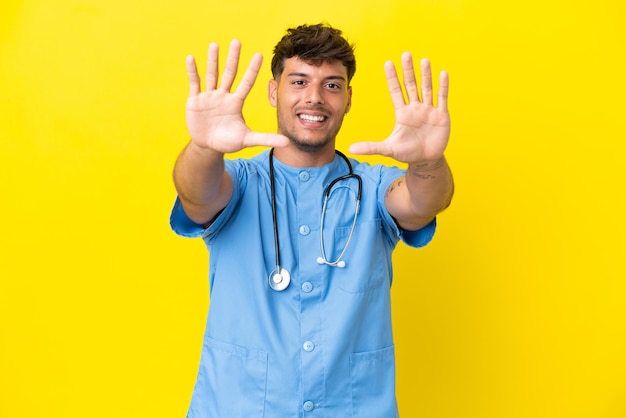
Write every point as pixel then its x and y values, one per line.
pixel 311 118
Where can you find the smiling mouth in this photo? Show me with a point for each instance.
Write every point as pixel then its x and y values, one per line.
pixel 311 118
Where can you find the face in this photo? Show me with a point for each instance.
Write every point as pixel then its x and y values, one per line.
pixel 311 102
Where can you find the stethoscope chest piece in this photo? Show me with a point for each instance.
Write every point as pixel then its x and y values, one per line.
pixel 279 279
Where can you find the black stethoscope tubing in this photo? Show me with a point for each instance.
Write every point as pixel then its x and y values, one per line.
pixel 279 278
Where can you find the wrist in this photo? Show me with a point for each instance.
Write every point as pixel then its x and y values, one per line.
pixel 203 151
pixel 427 165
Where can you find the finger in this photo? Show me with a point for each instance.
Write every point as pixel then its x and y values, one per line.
pixel 192 75
pixel 212 71
pixel 442 98
pixel 249 77
pixel 397 98
pixel 232 62
pixel 369 148
pixel 410 84
pixel 254 139
pixel 427 82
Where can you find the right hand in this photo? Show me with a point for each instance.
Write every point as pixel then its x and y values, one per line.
pixel 214 117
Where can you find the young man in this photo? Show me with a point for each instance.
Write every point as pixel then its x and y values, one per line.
pixel 300 237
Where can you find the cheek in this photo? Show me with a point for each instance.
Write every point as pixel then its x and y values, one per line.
pixel 339 102
pixel 286 101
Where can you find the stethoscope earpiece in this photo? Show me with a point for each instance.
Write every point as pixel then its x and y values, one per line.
pixel 341 264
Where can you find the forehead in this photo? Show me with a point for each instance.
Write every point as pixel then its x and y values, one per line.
pixel 294 66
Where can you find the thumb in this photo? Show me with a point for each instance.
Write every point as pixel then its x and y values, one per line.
pixel 265 139
pixel 368 148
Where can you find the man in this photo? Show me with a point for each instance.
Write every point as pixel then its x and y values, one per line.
pixel 300 237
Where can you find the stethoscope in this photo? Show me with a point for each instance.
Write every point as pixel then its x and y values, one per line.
pixel 280 278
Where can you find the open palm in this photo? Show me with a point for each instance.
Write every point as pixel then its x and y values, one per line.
pixel 421 131
pixel 214 117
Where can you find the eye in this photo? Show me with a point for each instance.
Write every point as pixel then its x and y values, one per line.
pixel 333 86
pixel 298 82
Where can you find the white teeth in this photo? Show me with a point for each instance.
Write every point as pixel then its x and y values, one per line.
pixel 309 118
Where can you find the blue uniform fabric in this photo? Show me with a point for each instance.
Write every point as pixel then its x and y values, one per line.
pixel 323 347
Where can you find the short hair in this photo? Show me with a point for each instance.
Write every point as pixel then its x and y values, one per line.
pixel 314 44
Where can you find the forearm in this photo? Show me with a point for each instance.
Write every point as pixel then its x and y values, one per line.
pixel 430 186
pixel 415 199
pixel 203 186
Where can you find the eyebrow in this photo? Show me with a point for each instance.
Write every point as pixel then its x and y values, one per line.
pixel 305 75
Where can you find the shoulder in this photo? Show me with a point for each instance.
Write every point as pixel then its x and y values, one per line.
pixel 253 163
pixel 382 175
pixel 240 169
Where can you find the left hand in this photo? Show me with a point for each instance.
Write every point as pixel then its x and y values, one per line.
pixel 421 131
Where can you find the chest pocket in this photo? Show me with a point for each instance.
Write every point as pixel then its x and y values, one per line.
pixel 367 263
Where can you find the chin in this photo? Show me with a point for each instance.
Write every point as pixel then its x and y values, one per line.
pixel 310 146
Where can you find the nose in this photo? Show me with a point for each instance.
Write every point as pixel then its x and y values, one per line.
pixel 314 95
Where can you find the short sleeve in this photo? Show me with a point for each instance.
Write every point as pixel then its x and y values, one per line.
pixel 421 237
pixel 182 225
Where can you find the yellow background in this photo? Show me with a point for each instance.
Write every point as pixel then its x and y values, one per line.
pixel 516 309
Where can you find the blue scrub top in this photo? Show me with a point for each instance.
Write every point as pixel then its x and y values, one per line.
pixel 323 347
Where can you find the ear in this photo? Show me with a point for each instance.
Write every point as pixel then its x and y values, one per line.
pixel 349 105
pixel 272 91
